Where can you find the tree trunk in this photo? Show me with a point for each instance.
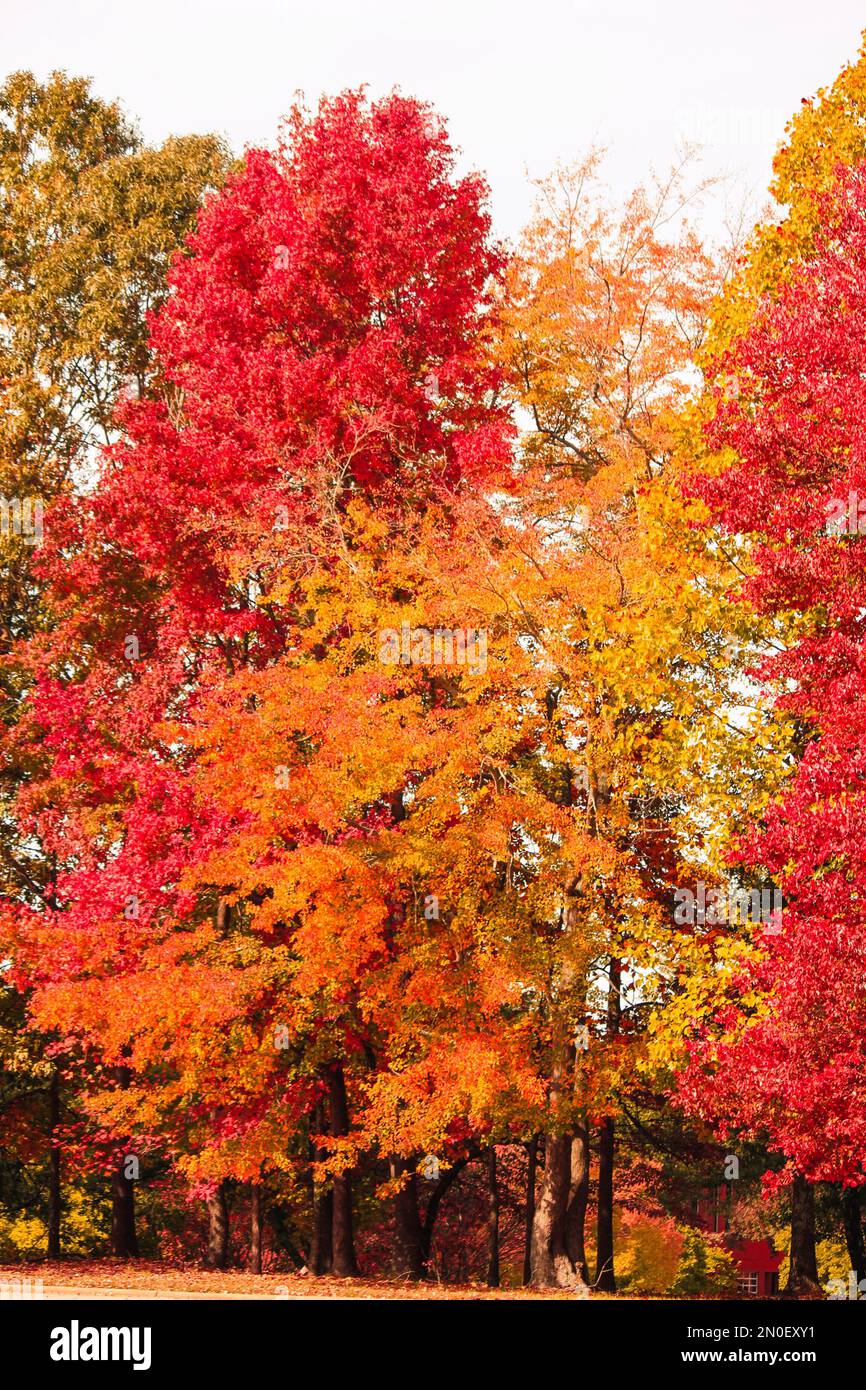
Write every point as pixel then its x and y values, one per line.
pixel 255 1261
pixel 575 1219
pixel 322 1252
pixel 551 1265
pixel 344 1264
pixel 803 1269
pixel 343 1242
pixel 852 1223
pixel 218 1229
pixel 492 1221
pixel 531 1170
pixel 605 1277
pixel 434 1201
pixel 279 1218
pixel 54 1193
pixel 321 1249
pixel 124 1242
pixel 410 1236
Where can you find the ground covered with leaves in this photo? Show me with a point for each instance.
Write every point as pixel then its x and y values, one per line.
pixel 145 1276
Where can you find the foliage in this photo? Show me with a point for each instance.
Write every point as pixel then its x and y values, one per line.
pixel 359 746
pixel 705 1266
pixel 793 431
pixel 649 1252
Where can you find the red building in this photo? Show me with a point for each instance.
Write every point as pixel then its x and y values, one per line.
pixel 757 1262
pixel 758 1266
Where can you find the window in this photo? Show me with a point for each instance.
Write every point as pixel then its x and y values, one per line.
pixel 747 1283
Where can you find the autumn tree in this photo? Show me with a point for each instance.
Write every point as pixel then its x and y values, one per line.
pixel 608 309
pixel 89 220
pixel 821 140
pixel 789 409
pixel 323 347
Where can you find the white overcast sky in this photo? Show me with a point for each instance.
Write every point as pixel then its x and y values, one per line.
pixel 522 85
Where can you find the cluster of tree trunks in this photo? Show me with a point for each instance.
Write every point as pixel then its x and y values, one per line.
pixel 556 1208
